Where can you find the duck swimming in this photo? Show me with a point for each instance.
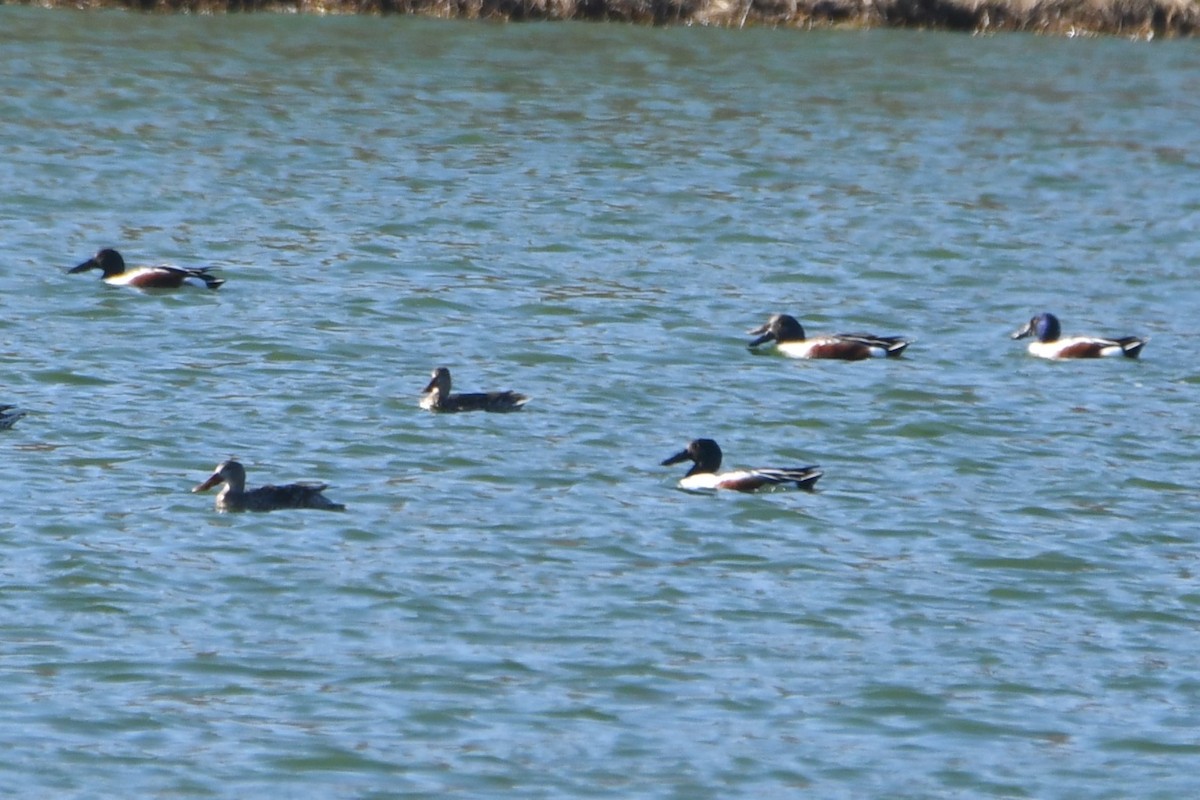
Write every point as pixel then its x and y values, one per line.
pixel 705 456
pixel 115 273
pixel 436 396
pixel 235 497
pixel 1049 343
pixel 789 338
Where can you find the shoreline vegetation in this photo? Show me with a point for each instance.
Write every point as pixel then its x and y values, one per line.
pixel 1137 19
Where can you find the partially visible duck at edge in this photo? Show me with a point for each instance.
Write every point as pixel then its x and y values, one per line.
pixel 705 456
pixel 1049 342
pixel 436 396
pixel 9 416
pixel 115 273
pixel 235 497
pixel 788 335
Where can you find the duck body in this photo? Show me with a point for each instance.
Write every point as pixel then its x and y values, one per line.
pixel 436 396
pixel 9 415
pixel 234 496
pixel 789 338
pixel 706 457
pixel 1049 342
pixel 115 273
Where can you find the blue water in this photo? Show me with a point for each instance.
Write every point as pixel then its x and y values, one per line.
pixel 993 592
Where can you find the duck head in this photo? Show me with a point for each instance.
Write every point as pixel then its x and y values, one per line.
pixel 704 454
pixel 230 472
pixel 780 328
pixel 108 261
pixel 439 382
pixel 1044 327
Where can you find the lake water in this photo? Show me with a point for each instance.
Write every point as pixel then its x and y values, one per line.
pixel 993 593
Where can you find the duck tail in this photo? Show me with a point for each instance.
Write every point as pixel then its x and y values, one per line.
pixel 1132 346
pixel 210 281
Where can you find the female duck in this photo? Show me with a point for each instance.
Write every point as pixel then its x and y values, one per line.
pixel 114 272
pixel 436 396
pixel 705 456
pixel 235 497
pixel 789 339
pixel 1049 342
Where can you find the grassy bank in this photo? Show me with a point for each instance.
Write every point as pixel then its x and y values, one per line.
pixel 1135 18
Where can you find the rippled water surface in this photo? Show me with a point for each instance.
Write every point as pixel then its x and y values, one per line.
pixel 993 592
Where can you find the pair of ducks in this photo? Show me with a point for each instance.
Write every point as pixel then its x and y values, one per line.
pixel 788 336
pixel 234 496
pixel 704 454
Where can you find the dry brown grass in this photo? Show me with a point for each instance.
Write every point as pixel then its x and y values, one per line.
pixel 1143 19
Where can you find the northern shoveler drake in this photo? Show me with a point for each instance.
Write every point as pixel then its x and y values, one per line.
pixel 235 497
pixel 436 396
pixel 115 273
pixel 788 335
pixel 1049 343
pixel 705 456
pixel 9 415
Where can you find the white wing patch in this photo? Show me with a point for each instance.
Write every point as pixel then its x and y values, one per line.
pixel 799 349
pixel 1055 349
pixel 128 276
pixel 748 478
pixel 703 480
